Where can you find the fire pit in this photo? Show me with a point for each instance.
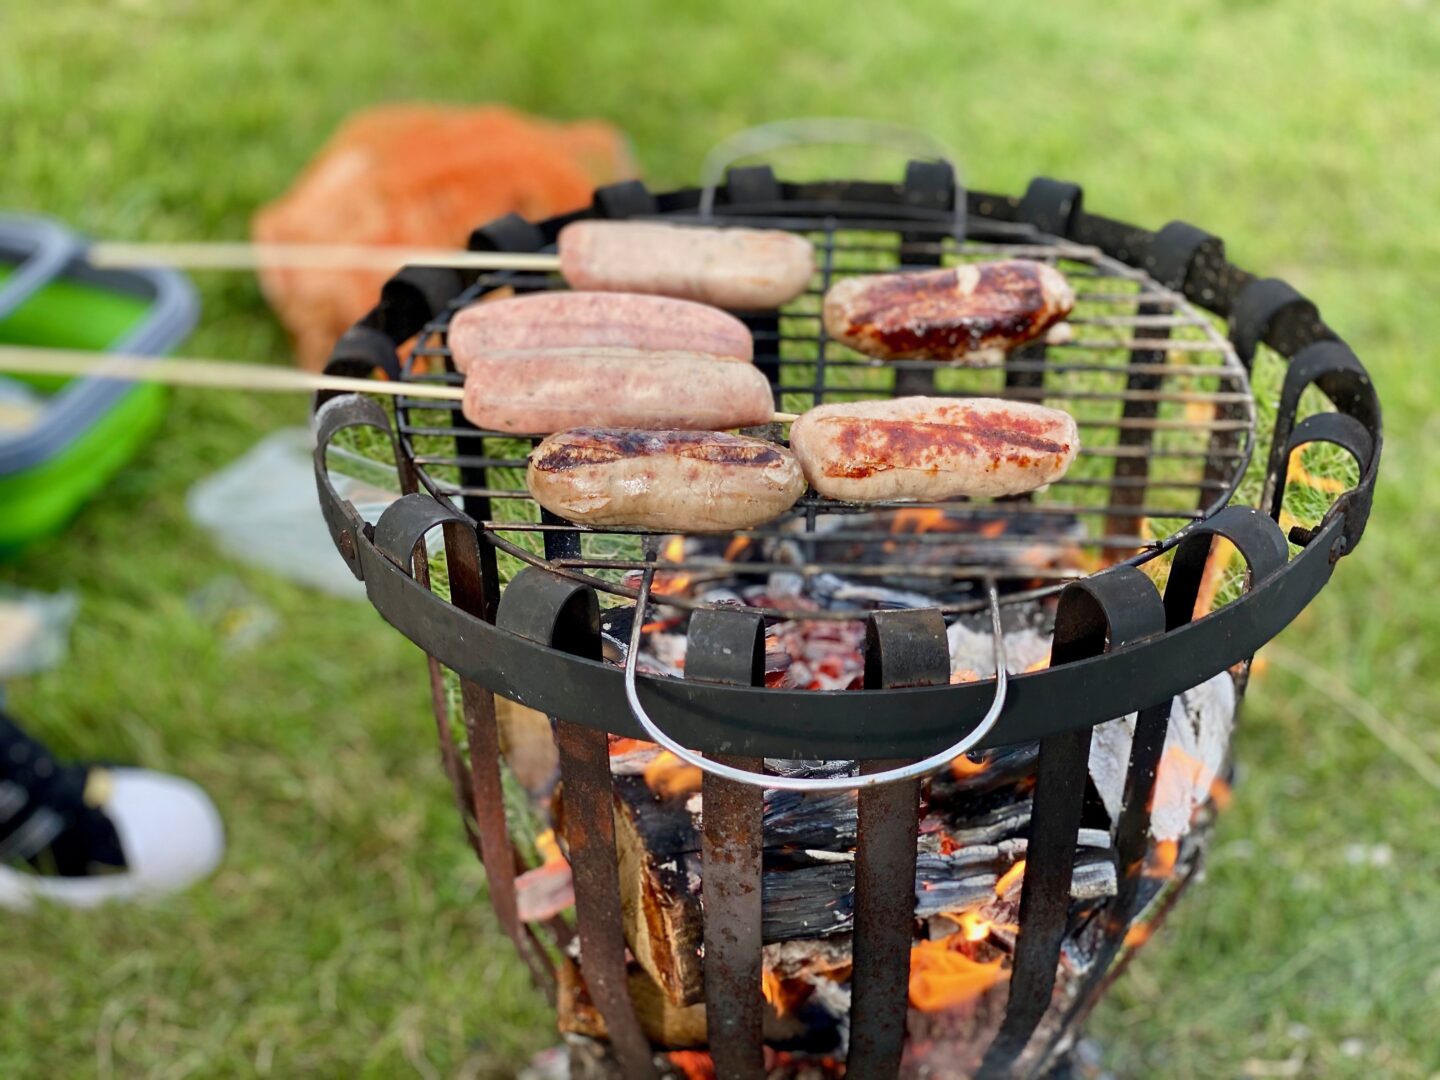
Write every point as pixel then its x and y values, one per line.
pixel 958 759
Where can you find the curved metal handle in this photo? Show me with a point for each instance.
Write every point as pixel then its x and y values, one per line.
pixel 799 783
pixel 821 131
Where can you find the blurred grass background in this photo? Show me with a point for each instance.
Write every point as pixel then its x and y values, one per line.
pixel 347 932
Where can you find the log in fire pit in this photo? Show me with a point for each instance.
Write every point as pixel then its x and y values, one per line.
pixel 955 761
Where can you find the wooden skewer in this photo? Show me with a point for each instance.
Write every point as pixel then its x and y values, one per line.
pixel 241 256
pixel 218 374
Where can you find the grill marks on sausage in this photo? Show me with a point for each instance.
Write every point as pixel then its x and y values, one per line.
pixel 947 314
pixel 597 446
pixel 871 446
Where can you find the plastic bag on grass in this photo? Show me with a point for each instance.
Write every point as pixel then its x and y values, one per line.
pixel 262 509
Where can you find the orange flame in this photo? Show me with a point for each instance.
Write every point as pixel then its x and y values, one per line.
pixel 1221 795
pixel 1038 665
pixel 920 520
pixel 669 777
pixel 736 548
pixel 1161 861
pixel 669 585
pixel 1009 878
pixel 619 744
pixel 964 675
pixel 548 848
pixel 673 549
pixel 941 978
pixel 974 927
pixel 1138 935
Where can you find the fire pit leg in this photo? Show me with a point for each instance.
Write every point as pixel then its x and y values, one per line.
pixel 565 615
pixel 1107 611
pixel 903 648
pixel 729 647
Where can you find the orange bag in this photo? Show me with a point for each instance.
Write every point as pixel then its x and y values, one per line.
pixel 421 175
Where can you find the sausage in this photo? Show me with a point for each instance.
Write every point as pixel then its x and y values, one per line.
pixel 562 320
pixel 537 391
pixel 744 269
pixel 673 481
pixel 928 448
pixel 947 314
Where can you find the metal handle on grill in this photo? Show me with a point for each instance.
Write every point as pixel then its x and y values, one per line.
pixel 822 131
pixel 798 783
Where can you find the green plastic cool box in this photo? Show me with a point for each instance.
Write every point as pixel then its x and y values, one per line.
pixel 88 428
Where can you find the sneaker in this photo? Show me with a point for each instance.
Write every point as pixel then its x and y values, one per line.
pixel 81 835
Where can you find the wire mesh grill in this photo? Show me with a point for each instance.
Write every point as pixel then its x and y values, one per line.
pixel 1164 407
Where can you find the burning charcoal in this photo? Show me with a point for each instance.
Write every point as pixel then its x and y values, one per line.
pixel 818 900
pixel 1002 767
pixel 834 591
pixel 1196 747
pixel 973 649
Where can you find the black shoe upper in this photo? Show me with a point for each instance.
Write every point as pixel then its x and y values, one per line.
pixel 45 821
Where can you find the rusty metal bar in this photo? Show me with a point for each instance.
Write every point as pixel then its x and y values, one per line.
pixel 565 615
pixel 729 647
pixel 903 648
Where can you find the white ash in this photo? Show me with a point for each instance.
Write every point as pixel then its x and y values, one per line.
pixel 1197 744
pixel 974 650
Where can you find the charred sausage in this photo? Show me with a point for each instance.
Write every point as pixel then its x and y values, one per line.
pixel 674 481
pixel 949 314
pixel 743 269
pixel 537 391
pixel 927 449
pixel 565 320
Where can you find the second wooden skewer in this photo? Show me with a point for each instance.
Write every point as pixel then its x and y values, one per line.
pixel 218 374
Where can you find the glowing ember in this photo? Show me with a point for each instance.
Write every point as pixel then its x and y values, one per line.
pixel 673 549
pixel 941 978
pixel 1160 863
pixel 692 1064
pixel 964 766
pixel 619 745
pixel 1010 878
pixel 1038 665
pixel 964 675
pixel 669 777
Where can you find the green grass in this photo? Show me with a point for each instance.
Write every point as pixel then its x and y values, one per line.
pixel 347 932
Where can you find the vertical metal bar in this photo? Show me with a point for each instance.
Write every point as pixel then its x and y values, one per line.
pixel 729 647
pixel 564 615
pixel 1045 894
pixel 903 648
pixel 590 830
pixel 470 591
pixel 1103 612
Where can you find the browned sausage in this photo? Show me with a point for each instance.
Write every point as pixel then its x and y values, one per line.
pixel 564 320
pixel 537 391
pixel 673 481
pixel 928 448
pixel 743 269
pixel 947 314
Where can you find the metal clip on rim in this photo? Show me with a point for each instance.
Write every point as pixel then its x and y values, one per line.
pixel 920 768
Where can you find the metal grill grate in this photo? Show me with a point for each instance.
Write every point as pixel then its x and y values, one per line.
pixel 1163 404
